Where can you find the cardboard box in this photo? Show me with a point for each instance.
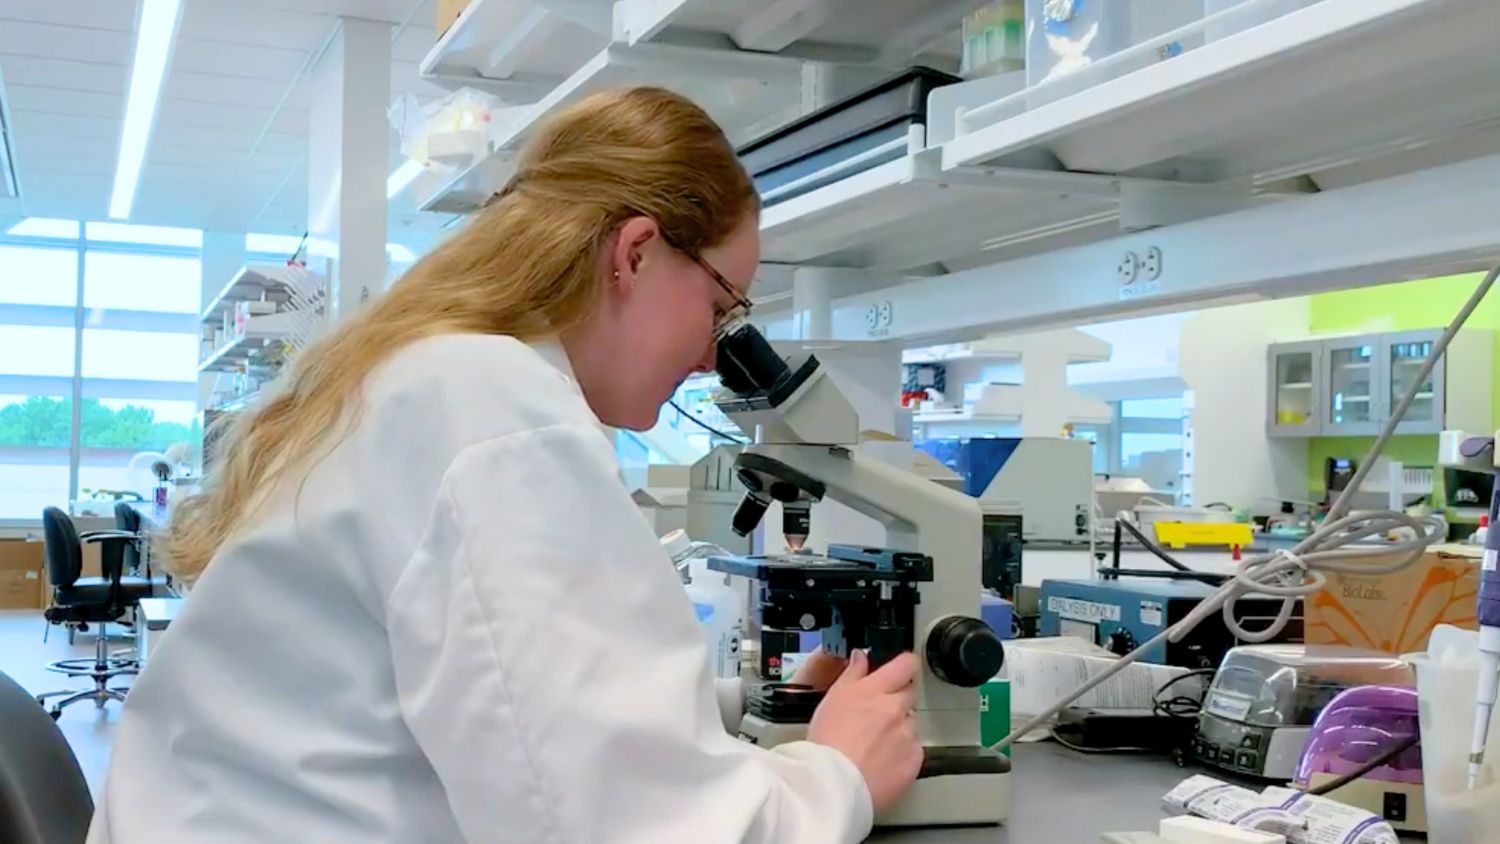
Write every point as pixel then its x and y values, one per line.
pixel 448 12
pixel 1396 612
pixel 20 575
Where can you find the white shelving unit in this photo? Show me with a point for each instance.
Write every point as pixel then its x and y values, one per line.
pixel 743 62
pixel 254 283
pixel 259 332
pixel 1341 91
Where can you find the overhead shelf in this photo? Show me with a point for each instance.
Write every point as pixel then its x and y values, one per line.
pixel 1337 81
pixel 747 93
pixel 255 283
pixel 259 332
pixel 909 212
pixel 1136 142
pixel 519 49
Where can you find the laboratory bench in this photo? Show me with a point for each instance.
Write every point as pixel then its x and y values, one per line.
pixel 1061 796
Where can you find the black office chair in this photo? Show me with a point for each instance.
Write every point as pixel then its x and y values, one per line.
pixel 128 520
pixel 79 601
pixel 44 798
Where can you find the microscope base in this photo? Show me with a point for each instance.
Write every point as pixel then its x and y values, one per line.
pixel 957 787
pixel 956 800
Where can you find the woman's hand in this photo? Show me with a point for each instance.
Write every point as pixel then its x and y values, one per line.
pixel 868 718
pixel 819 670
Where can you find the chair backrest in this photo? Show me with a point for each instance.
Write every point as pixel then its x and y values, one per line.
pixel 127 519
pixel 44 798
pixel 63 550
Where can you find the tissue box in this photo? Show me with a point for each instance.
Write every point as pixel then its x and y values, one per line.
pixel 1397 612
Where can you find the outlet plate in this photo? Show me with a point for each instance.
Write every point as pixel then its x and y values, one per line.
pixel 1151 264
pixel 1129 268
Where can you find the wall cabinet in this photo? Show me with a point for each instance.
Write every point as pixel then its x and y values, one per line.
pixel 1348 386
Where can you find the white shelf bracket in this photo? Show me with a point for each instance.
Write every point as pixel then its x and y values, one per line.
pixel 1148 205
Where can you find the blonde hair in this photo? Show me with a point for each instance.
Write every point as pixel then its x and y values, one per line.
pixel 525 266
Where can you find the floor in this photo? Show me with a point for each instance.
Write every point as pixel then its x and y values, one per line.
pixel 24 656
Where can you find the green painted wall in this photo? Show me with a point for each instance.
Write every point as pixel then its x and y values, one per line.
pixel 1405 306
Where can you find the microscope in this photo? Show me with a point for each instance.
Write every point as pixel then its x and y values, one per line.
pixel 920 594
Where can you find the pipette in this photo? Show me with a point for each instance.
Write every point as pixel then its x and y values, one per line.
pixel 1489 639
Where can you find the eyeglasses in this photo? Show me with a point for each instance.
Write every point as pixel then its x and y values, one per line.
pixel 735 312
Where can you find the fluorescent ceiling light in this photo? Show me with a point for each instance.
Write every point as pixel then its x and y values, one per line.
pixel 401 177
pixel 154 35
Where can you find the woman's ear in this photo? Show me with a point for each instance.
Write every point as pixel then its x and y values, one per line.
pixel 630 249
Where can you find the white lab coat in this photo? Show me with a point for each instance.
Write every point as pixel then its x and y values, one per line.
pixel 458 629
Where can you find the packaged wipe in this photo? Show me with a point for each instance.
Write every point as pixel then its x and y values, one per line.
pixel 1300 817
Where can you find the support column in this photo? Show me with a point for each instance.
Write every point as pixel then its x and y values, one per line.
pixel 812 302
pixel 347 163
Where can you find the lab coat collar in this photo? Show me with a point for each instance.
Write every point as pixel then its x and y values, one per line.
pixel 556 356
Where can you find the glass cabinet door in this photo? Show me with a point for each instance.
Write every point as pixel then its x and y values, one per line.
pixel 1353 404
pixel 1293 402
pixel 1404 354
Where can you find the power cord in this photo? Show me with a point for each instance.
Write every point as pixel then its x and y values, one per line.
pixel 1300 572
pixel 704 425
pixel 1181 706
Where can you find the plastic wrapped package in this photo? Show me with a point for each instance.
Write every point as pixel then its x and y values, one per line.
pixel 450 132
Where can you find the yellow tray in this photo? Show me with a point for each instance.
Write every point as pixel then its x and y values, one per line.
pixel 1183 534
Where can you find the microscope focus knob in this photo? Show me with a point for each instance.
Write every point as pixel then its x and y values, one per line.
pixel 964 651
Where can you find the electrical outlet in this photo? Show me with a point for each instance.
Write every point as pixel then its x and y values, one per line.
pixel 887 313
pixel 872 317
pixel 1129 268
pixel 1151 264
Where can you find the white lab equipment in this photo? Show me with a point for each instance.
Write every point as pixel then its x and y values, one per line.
pixel 1448 675
pixel 719 606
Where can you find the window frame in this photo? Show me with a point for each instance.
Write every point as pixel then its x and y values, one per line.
pixel 78 387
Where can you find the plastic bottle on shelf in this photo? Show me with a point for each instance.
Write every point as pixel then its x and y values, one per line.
pixel 719 606
pixel 1480 534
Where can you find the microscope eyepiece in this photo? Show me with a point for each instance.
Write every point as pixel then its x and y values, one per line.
pixel 746 362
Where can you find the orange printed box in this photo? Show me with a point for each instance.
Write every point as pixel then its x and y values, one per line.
pixel 1396 612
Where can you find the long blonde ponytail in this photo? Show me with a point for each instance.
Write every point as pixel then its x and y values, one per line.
pixel 524 266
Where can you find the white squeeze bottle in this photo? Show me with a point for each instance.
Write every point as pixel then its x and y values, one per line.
pixel 720 607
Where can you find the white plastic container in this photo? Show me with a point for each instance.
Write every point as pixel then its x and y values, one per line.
pixel 1065 36
pixel 719 605
pixel 1446 687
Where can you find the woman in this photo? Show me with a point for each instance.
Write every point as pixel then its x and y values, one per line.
pixel 426 610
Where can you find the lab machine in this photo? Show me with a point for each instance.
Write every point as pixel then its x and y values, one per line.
pixel 1264 700
pixel 1368 739
pixel 1048 482
pixel 919 594
pixel 1120 613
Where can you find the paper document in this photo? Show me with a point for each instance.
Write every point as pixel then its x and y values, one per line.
pixel 1301 817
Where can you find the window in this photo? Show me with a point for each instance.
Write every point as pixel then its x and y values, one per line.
pixel 38 276
pixel 1144 441
pixel 38 293
pixel 133 282
pixel 137 371
pixel 34 434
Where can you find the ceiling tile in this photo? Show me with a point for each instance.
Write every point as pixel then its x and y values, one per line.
pixel 248 120
pixel 393 11
pixel 65 42
pixel 99 14
pixel 62 101
pixel 413 43
pixel 233 23
pixel 233 90
pixel 197 55
pixel 68 75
